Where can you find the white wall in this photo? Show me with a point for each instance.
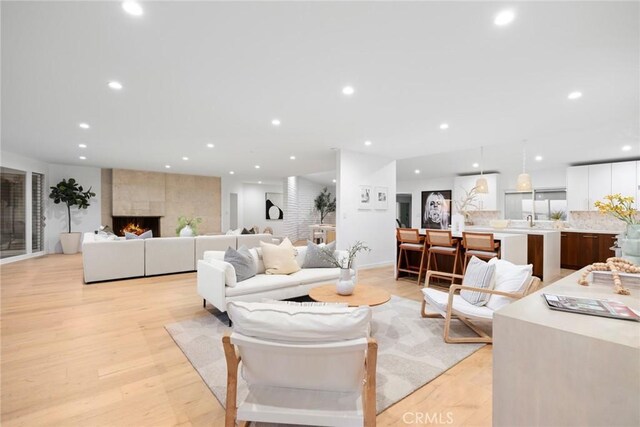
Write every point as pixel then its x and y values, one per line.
pixel 253 201
pixel 300 212
pixel 374 227
pixel 415 188
pixel 82 220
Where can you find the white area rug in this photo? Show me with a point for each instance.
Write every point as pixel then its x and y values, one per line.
pixel 411 351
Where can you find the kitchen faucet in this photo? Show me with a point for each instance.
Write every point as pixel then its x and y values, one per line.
pixel 530 219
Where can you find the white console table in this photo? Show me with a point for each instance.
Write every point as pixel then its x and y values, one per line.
pixel 552 368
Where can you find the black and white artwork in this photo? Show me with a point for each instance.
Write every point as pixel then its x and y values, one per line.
pixel 380 197
pixel 436 209
pixel 273 205
pixel 366 201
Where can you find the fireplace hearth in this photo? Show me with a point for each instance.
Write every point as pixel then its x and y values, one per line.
pixel 139 223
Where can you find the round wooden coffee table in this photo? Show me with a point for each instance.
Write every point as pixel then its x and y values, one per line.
pixel 362 295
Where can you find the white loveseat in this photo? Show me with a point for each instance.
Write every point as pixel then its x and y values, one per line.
pixel 217 284
pixel 120 259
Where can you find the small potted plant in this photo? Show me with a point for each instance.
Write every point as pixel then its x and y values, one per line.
pixel 187 227
pixel 324 204
pixel 558 217
pixel 621 207
pixel 71 194
pixel 345 285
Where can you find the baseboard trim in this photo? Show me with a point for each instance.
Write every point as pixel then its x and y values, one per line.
pixel 377 265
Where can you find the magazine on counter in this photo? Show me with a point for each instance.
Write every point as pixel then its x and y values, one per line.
pixel 593 307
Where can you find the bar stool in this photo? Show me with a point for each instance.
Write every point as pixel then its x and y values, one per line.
pixel 442 242
pixel 410 241
pixel 481 245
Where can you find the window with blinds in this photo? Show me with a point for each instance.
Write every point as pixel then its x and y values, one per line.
pixel 13 212
pixel 37 212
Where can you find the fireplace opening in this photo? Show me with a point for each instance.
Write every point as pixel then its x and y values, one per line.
pixel 136 225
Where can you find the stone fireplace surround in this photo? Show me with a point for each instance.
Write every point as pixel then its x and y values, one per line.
pixel 143 194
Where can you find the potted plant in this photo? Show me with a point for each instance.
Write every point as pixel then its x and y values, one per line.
pixel 187 227
pixel 558 217
pixel 71 194
pixel 621 207
pixel 345 285
pixel 324 204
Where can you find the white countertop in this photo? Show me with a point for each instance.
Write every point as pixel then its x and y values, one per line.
pixel 533 309
pixel 539 231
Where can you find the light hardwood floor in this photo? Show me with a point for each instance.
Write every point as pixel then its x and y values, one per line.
pixel 99 354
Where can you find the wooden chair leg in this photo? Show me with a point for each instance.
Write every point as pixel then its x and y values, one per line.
pixel 399 261
pixel 455 264
pixel 428 259
pixel 421 267
pixel 423 311
pixel 233 360
pixel 369 392
pixel 466 259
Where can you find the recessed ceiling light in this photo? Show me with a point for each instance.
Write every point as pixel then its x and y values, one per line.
pixel 505 17
pixel 167 166
pixel 231 172
pixel 257 166
pixel 115 85
pixel 476 165
pixel 348 90
pixel 444 126
pixel 132 8
pixel 367 143
pixel 210 145
pixel 575 95
pixel 275 122
pixel 626 148
pixel 334 181
pixel 292 157
pixel 185 158
pixel 82 158
pixel 82 145
pixel 84 126
pixel 417 171
pixel 259 182
pixel 538 158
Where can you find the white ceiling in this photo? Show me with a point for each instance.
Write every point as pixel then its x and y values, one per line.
pixel 219 72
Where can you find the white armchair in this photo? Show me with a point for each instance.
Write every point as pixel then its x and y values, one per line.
pixel 323 374
pixel 451 305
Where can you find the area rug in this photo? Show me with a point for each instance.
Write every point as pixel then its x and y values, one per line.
pixel 411 351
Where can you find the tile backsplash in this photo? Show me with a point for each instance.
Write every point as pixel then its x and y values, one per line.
pixel 591 220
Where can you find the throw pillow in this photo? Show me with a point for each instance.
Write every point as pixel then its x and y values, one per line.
pixel 242 262
pixel 132 236
pixel 509 278
pixel 479 274
pixel 256 253
pixel 319 256
pixel 279 259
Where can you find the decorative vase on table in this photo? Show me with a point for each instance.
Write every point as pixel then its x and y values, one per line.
pixel 345 283
pixel 631 244
pixel 186 231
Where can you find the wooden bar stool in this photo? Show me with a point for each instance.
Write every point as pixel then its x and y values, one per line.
pixel 443 243
pixel 481 245
pixel 410 241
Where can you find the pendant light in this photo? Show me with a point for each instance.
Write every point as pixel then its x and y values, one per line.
pixel 524 179
pixel 481 183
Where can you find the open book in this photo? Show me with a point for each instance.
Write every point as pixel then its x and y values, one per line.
pixel 594 307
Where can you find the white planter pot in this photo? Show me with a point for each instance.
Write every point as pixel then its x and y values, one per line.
pixel 345 284
pixel 70 242
pixel 187 231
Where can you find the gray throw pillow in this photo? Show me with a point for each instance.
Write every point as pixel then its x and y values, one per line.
pixel 242 262
pixel 314 257
pixel 479 274
pixel 132 236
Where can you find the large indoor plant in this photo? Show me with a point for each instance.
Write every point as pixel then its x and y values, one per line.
pixel 324 204
pixel 71 194
pixel 621 207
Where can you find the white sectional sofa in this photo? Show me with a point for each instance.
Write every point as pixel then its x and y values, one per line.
pixel 120 259
pixel 215 275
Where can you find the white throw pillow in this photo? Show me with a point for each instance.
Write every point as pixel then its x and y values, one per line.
pixel 256 253
pixel 296 323
pixel 279 259
pixel 509 278
pixel 479 274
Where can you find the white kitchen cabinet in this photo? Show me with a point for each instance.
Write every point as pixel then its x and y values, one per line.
pixel 578 188
pixel 638 185
pixel 599 183
pixel 623 179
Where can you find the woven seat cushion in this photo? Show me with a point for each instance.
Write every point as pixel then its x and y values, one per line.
pixel 442 249
pixel 412 246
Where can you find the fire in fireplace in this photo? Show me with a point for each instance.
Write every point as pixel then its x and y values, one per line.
pixel 136 225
